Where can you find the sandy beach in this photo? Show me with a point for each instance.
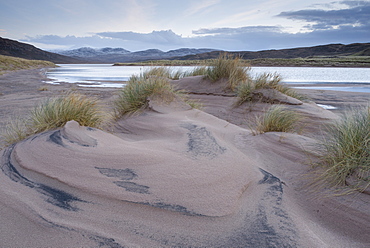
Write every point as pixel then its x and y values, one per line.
pixel 173 176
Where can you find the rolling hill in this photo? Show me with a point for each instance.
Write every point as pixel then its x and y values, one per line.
pixel 331 50
pixel 22 50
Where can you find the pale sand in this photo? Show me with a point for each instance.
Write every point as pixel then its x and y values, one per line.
pixel 172 177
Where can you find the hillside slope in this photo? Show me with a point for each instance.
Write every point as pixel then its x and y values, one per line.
pixel 301 52
pixel 22 50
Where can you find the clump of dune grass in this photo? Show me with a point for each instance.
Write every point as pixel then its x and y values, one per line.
pixel 134 96
pixel 277 119
pixel 54 113
pixel 346 149
pixel 231 68
pixel 245 89
pixel 163 71
pixel 14 131
pixel 157 71
pixel 273 81
pixel 197 71
pixel 268 81
pixel 244 92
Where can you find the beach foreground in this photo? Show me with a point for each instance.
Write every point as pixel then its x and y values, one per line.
pixel 173 176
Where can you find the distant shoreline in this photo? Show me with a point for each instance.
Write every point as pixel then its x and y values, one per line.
pixel 345 62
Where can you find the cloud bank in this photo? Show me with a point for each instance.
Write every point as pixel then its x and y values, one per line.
pixel 348 24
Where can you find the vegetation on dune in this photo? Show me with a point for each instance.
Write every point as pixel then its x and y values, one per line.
pixel 347 150
pixel 55 113
pixel 277 119
pixel 235 70
pixel 230 68
pixel 134 96
pixel 8 63
pixel 241 82
pixel 197 71
pixel 161 71
pixel 264 81
pixel 170 72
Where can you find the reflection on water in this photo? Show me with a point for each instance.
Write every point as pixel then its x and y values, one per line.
pixel 348 89
pixel 106 75
pixel 92 75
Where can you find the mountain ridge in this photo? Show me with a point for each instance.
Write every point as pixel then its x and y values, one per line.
pixel 113 55
pixel 120 55
pixel 14 48
pixel 359 49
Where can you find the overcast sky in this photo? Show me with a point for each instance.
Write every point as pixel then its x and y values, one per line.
pixel 233 25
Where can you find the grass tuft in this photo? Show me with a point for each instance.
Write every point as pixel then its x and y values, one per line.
pixel 268 81
pixel 134 95
pixel 228 67
pixel 347 149
pixel 264 81
pixel 55 113
pixel 197 71
pixel 244 92
pixel 277 119
pixel 14 131
pixel 158 71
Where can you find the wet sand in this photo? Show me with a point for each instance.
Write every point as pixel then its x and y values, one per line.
pixel 172 176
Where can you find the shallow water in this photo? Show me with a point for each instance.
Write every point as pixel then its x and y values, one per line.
pixel 106 75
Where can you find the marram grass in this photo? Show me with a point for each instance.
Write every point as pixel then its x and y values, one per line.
pixel 134 96
pixel 54 113
pixel 237 72
pixel 244 92
pixel 197 71
pixel 263 81
pixel 14 131
pixel 228 67
pixel 346 150
pixel 277 119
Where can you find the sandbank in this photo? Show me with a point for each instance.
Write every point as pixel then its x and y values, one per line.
pixel 172 176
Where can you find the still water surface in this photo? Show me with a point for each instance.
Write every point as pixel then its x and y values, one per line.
pixel 106 75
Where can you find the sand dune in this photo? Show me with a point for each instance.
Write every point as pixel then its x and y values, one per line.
pixel 174 177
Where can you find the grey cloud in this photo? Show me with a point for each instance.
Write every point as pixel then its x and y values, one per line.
pixel 128 40
pixel 356 14
pixel 238 39
pixel 333 26
pixel 67 40
pixel 155 37
pixel 233 31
